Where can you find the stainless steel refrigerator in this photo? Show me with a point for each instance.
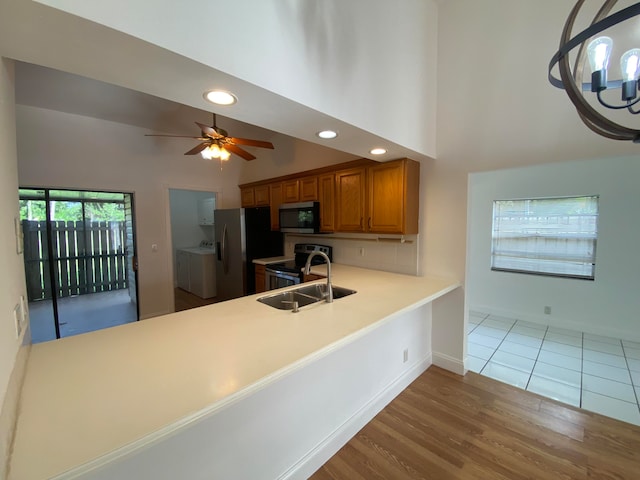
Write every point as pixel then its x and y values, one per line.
pixel 242 234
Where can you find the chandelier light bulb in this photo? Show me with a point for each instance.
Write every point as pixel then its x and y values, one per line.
pixel 599 51
pixel 630 65
pixel 224 155
pixel 630 68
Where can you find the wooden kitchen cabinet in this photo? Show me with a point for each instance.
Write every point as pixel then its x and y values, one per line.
pixel 360 196
pixel 257 196
pixel 382 198
pixel 312 276
pixel 326 188
pixel 262 196
pixel 260 278
pixel 350 197
pixel 393 197
pixel 247 197
pixel 290 191
pixel 276 200
pixel 308 187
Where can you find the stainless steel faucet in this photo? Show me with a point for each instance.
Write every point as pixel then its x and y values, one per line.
pixel 328 296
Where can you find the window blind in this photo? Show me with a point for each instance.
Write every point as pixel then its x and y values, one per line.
pixel 547 236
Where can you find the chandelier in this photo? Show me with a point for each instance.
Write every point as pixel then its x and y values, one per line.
pixel 597 49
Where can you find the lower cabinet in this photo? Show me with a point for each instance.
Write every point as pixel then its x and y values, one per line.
pixel 311 277
pixel 196 273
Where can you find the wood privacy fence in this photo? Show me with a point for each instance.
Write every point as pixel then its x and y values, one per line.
pixel 88 257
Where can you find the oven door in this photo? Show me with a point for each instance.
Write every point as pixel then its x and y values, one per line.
pixel 274 279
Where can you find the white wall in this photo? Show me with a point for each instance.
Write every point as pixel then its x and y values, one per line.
pixel 12 280
pixel 85 153
pixel 607 306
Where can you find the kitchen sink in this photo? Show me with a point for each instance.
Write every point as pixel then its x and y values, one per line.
pixel 305 295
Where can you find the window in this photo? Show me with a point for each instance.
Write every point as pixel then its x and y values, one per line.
pixel 546 236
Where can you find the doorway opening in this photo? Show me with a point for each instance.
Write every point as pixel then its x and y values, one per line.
pixel 80 261
pixel 192 239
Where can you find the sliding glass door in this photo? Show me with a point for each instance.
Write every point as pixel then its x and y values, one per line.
pixel 78 246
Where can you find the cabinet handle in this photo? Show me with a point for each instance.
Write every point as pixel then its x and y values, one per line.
pixel 369 223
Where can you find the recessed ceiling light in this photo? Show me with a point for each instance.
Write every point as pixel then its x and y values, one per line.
pixel 378 151
pixel 220 97
pixel 327 134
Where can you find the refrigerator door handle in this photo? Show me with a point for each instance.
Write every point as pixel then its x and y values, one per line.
pixel 225 257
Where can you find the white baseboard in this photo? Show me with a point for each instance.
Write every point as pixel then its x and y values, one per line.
pixel 447 362
pixel 548 320
pixel 317 457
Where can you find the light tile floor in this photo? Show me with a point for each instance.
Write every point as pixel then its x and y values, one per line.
pixel 600 374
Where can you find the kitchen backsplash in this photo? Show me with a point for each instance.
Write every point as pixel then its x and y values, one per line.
pixel 367 251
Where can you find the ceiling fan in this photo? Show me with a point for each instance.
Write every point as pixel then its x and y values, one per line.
pixel 216 143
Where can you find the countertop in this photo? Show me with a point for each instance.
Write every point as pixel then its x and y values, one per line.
pixel 267 261
pixel 91 394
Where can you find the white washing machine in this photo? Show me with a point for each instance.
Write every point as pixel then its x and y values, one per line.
pixel 196 271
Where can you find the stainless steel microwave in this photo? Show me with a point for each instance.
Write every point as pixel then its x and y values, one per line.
pixel 303 217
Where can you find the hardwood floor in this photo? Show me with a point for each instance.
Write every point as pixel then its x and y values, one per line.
pixel 444 426
pixel 185 300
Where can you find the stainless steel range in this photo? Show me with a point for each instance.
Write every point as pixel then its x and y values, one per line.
pixel 278 275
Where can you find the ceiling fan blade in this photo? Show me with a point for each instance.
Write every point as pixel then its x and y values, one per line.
pixel 251 143
pixel 198 148
pixel 238 151
pixel 175 136
pixel 207 130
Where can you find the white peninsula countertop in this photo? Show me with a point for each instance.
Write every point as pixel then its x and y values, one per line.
pixel 89 395
pixel 270 260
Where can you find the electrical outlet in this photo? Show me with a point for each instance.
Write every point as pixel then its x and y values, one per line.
pixel 405 355
pixel 547 310
pixel 362 251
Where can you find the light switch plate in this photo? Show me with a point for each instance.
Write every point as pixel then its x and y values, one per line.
pixel 17 317
pixel 17 225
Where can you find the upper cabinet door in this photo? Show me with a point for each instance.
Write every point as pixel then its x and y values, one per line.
pixel 262 196
pixel 276 200
pixel 247 197
pixel 326 196
pixel 393 197
pixel 309 189
pixel 350 200
pixel 290 191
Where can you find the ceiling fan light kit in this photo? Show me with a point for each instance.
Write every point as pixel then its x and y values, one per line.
pixel 598 50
